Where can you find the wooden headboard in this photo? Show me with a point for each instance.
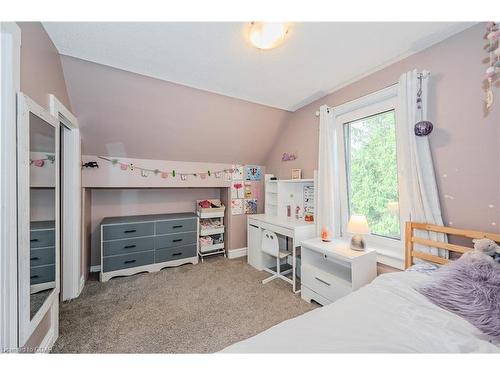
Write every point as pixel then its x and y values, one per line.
pixel 411 239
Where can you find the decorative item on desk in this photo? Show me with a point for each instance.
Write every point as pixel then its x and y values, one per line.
pixel 325 235
pixel 298 213
pixel 358 226
pixel 309 217
pixel 296 174
pixel 288 211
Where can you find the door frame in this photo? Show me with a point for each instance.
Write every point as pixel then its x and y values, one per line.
pixel 72 279
pixel 10 85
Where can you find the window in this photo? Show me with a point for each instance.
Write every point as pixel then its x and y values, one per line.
pixel 372 173
pixel 369 170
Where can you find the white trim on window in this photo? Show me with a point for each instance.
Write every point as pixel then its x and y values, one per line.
pixel 390 250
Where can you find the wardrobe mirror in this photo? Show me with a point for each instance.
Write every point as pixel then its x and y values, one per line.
pixel 42 211
pixel 38 213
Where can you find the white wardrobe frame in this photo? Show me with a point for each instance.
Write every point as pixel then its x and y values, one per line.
pixel 72 280
pixel 10 85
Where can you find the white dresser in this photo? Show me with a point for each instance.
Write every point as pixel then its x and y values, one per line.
pixel 331 270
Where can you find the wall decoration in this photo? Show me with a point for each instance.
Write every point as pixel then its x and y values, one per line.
pixel 251 206
pixel 236 206
pixel 308 199
pixel 237 191
pixel 248 190
pixel 296 174
pixel 493 48
pixel 41 162
pixel 145 172
pixel 288 156
pixel 237 173
pixel 253 173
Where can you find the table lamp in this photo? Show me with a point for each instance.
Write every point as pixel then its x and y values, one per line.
pixel 358 226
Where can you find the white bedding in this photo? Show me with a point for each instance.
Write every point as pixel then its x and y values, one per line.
pixel 387 315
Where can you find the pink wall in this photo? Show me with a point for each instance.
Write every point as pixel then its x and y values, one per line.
pixel 465 142
pixel 41 69
pixel 127 114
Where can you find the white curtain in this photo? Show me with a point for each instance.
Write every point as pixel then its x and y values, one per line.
pixel 328 198
pixel 417 159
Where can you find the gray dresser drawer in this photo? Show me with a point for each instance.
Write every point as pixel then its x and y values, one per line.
pixel 173 240
pixel 42 238
pixel 176 226
pixel 120 231
pixel 131 245
pixel 120 262
pixel 42 256
pixel 42 274
pixel 173 253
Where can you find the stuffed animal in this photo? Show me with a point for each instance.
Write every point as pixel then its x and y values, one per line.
pixel 488 247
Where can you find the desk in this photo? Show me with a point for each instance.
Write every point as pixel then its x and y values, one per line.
pixel 296 230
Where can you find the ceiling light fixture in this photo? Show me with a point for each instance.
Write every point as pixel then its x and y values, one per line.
pixel 267 35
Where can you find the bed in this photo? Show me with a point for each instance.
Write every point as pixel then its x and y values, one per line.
pixel 388 315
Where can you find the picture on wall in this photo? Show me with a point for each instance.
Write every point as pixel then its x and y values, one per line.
pixel 237 206
pixel 251 206
pixel 237 191
pixel 253 173
pixel 237 173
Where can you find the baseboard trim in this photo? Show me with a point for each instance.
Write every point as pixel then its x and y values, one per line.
pixel 95 268
pixel 237 253
pixel 82 284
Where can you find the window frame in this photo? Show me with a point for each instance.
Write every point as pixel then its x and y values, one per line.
pixel 390 251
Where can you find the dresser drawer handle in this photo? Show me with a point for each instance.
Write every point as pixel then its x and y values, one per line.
pixel 34 240
pixel 177 240
pixel 34 258
pixel 130 231
pixel 322 281
pixel 176 254
pixel 130 261
pixel 177 226
pixel 129 246
pixel 34 277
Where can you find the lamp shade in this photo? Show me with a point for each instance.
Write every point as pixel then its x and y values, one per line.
pixel 358 225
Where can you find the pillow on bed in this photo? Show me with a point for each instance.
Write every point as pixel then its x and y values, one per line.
pixel 470 288
pixel 423 267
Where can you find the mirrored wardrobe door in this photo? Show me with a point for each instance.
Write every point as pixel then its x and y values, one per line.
pixel 38 213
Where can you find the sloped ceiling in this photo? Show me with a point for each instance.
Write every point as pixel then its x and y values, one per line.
pixel 126 114
pixel 315 59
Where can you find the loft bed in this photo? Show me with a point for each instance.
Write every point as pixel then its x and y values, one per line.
pixel 388 315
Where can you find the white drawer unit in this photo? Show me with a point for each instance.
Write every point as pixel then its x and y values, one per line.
pixel 331 270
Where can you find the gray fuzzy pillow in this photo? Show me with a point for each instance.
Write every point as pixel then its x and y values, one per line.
pixel 470 288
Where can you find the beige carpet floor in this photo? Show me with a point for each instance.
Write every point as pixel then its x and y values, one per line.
pixel 199 308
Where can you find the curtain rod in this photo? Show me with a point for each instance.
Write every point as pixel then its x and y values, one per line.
pixel 423 74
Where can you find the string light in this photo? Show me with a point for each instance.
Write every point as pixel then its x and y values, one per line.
pixel 165 174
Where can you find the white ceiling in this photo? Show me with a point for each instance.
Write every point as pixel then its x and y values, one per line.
pixel 315 59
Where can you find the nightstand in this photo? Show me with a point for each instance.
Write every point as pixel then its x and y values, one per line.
pixel 331 270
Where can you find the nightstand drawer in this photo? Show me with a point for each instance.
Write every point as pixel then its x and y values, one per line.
pixel 325 284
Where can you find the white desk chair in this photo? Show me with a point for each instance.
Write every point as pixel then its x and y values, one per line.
pixel 270 245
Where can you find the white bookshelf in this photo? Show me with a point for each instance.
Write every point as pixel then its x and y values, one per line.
pixel 281 193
